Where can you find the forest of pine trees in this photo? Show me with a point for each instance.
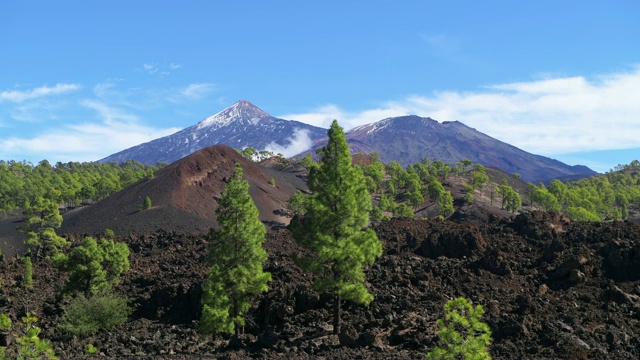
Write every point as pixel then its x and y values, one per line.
pixel 66 184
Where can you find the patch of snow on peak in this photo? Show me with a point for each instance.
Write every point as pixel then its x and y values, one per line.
pixel 241 111
pixel 369 128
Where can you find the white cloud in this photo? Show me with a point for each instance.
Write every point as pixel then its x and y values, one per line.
pixel 150 68
pixel 20 96
pixel 322 116
pixel 162 69
pixel 116 131
pixel 109 114
pixel 550 116
pixel 298 143
pixel 197 91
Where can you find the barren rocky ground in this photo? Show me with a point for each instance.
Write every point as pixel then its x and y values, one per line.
pixel 551 289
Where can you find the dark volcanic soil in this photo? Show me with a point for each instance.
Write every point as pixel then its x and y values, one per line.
pixel 550 288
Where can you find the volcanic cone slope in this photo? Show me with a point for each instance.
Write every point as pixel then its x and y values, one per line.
pixel 184 196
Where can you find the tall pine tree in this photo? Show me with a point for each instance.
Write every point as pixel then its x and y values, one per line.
pixel 334 226
pixel 236 257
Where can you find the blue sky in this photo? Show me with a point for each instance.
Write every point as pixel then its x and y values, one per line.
pixel 80 80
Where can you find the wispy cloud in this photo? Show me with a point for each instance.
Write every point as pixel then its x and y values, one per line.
pixel 197 91
pixel 19 96
pixel 321 116
pixel 150 68
pixel 109 114
pixel 89 125
pixel 164 69
pixel 549 116
pixel 116 130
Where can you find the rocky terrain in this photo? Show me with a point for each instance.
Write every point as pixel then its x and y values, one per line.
pixel 551 289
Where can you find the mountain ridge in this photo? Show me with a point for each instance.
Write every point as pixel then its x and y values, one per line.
pixel 239 126
pixel 409 139
pixel 406 139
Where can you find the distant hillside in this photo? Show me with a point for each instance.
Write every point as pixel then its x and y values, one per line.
pixel 406 139
pixel 409 139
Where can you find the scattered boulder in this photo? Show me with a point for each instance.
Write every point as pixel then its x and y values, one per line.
pixel 454 242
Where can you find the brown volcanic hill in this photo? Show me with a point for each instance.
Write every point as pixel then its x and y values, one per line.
pixel 184 196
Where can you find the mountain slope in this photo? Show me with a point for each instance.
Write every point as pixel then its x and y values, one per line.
pixel 409 139
pixel 184 196
pixel 240 125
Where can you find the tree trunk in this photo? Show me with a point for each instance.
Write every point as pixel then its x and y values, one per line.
pixel 236 325
pixel 336 314
pixel 38 252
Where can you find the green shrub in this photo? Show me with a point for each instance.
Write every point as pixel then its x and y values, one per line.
pixel 296 203
pixel 146 204
pixel 88 316
pixel 272 182
pixel 94 266
pixel 109 234
pixel 29 344
pixel 376 214
pixel 403 211
pixel 28 271
pixel 462 334
pixel 89 349
pixel 468 193
pixel 5 322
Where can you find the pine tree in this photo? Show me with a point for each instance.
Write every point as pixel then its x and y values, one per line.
pixel 94 266
pixel 41 220
pixel 236 257
pixel 146 204
pixel 334 226
pixel 28 271
pixel 511 200
pixel 461 333
pixel 28 344
pixel 445 204
pixel 296 203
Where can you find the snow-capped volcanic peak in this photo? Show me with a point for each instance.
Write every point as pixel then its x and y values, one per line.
pixel 242 111
pixel 369 128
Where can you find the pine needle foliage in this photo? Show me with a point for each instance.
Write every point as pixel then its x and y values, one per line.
pixel 94 266
pixel 87 316
pixel 40 221
pixel 461 333
pixel 334 227
pixel 146 204
pixel 236 257
pixel 28 271
pixel 28 344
